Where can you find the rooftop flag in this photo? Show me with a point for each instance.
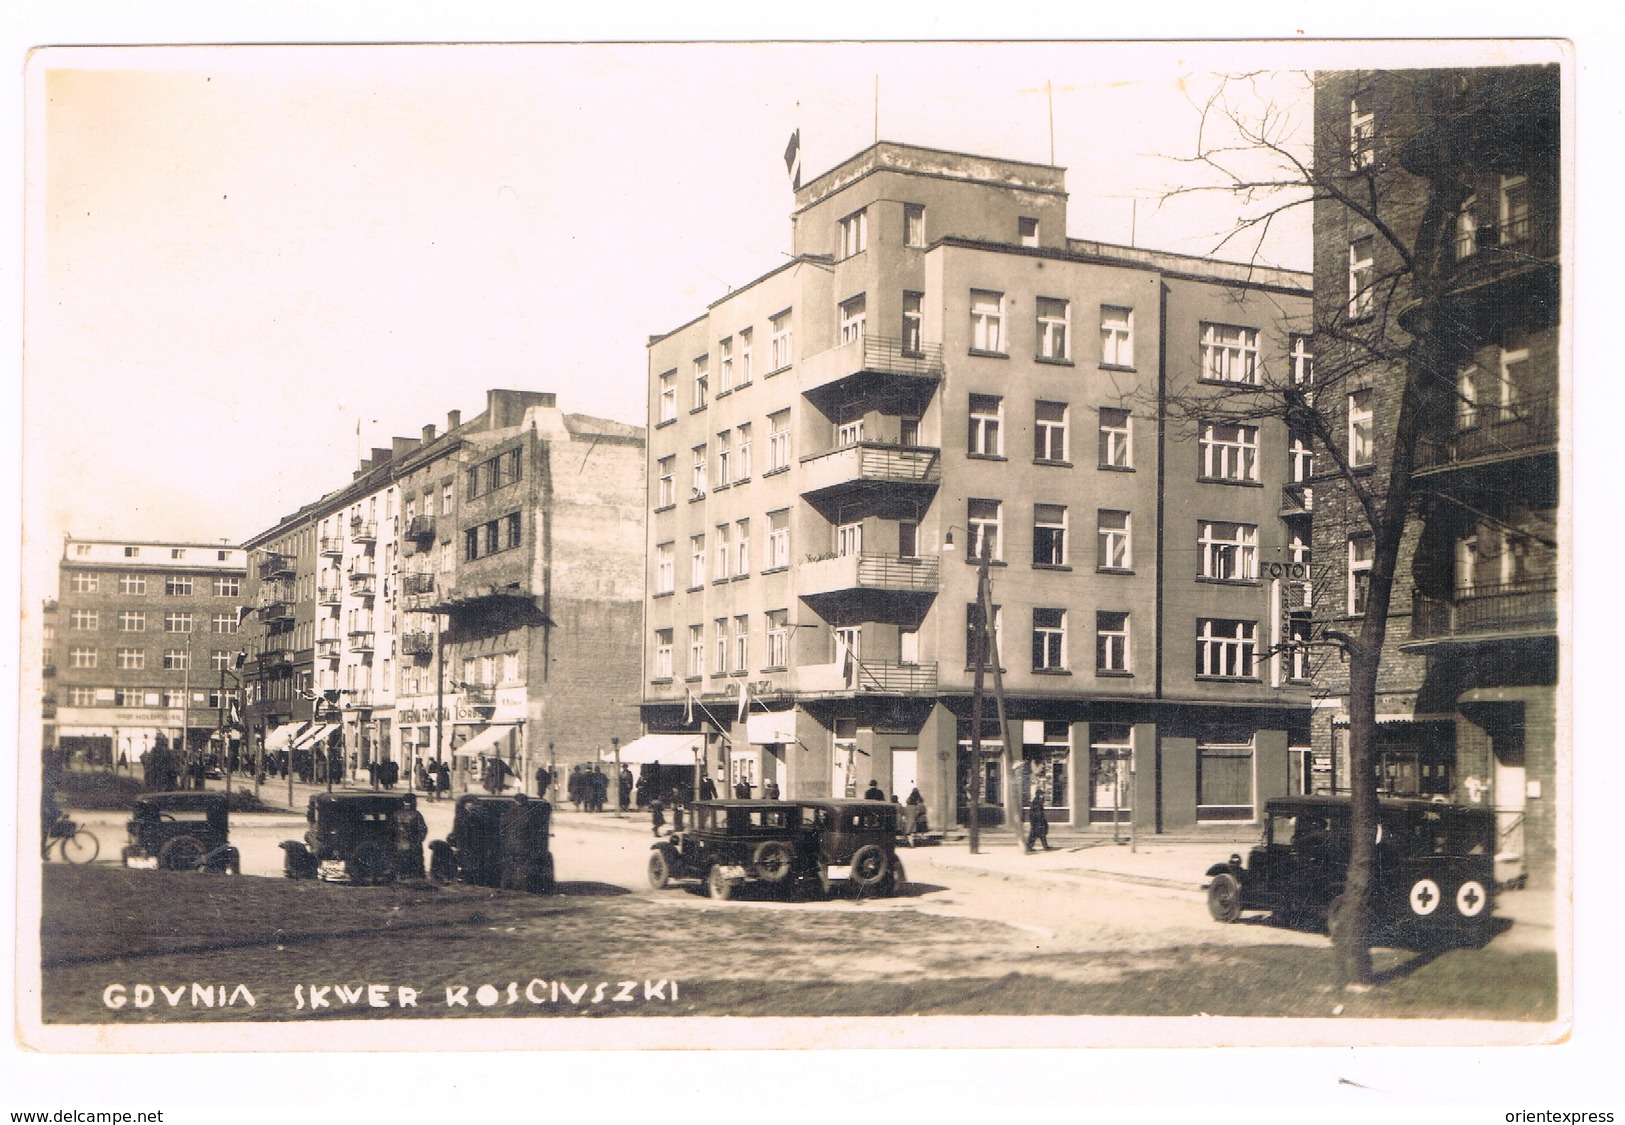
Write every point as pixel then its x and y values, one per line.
pixel 792 159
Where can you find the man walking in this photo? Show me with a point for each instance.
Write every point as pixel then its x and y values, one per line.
pixel 1037 823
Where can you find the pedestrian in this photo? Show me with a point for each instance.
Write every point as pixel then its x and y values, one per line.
pixel 1037 823
pixel 874 792
pixel 626 787
pixel 600 788
pixel 544 781
pixel 708 788
pixel 742 789
pixel 771 791
pixel 443 779
pixel 657 815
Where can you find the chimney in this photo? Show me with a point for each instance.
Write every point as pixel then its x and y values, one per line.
pixel 428 433
pixel 454 418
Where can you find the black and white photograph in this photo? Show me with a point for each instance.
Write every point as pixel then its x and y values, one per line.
pixel 793 545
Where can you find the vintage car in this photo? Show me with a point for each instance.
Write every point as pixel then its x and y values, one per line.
pixel 497 842
pixel 181 832
pixel 853 844
pixel 1434 876
pixel 359 837
pixel 730 843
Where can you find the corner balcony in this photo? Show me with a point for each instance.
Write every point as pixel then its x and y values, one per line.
pixel 273 566
pixel 868 465
pixel 870 677
pixel 1500 433
pixel 838 574
pixel 420 528
pixel 328 648
pixel 1297 500
pixel 879 363
pixel 363 584
pixel 1485 613
pixel 275 603
pixel 361 640
pixel 417 644
pixel 329 595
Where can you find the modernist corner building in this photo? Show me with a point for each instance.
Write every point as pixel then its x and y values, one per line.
pixel 143 632
pixel 1467 695
pixel 469 595
pixel 940 378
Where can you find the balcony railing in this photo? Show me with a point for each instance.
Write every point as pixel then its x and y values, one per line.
pixel 1297 499
pixel 329 595
pixel 275 566
pixel 360 698
pixel 880 676
pixel 328 647
pixel 1499 432
pixel 333 546
pixel 1519 609
pixel 418 584
pixel 417 644
pixel 362 584
pixel 868 462
pixel 880 355
pixel 420 527
pixel 361 641
pixel 363 531
pixel 481 695
pixel 867 572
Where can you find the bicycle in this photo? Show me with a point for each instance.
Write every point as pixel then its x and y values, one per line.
pixel 74 843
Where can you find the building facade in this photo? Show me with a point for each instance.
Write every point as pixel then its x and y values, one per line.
pixel 1467 699
pixel 145 636
pixel 939 381
pixel 470 596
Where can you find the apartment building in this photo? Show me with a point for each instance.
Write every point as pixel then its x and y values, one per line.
pixel 143 637
pixel 470 595
pixel 1467 700
pixel 940 379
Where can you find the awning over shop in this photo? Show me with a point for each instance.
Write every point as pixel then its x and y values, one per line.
pixel 771 726
pixel 313 735
pixel 485 741
pixel 659 749
pixel 283 735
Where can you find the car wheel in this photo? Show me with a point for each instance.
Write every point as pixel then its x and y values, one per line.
pixel 659 870
pixel 1224 898
pixel 869 866
pixel 372 864
pixel 182 853
pixel 297 862
pixel 718 886
pixel 773 861
pixel 896 880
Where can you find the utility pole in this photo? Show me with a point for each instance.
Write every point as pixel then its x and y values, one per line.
pixel 975 812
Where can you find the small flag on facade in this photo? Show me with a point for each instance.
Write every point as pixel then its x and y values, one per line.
pixel 688 707
pixel 792 159
pixel 744 702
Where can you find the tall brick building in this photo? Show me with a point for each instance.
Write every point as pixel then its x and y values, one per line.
pixel 1467 699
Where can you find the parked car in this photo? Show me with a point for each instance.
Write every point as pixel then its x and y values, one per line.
pixel 358 837
pixel 181 832
pixel 497 842
pixel 853 844
pixel 731 843
pixel 1434 875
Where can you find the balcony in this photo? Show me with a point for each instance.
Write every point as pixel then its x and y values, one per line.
pixel 480 695
pixel 361 640
pixel 878 677
pixel 417 584
pixel 1297 500
pixel 1486 613
pixel 358 699
pixel 363 531
pixel 363 584
pixel 332 546
pixel 273 566
pixel 329 595
pixel 872 359
pixel 1501 433
pixel 275 603
pixel 420 528
pixel 417 644
pixel 868 465
pixel 841 573
pixel 48 671
pixel 328 648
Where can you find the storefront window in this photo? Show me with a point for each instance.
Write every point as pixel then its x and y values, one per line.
pixel 1111 746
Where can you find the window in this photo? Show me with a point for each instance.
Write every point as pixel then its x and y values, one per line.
pixel 698 479
pixel 132 552
pixel 1362 136
pixel 725 365
pixel 1467 228
pixel 86 583
pixel 1049 432
pixel 492 474
pixel 778 441
pixel 1111 642
pixel 219 660
pixel 1049 535
pixel 177 552
pixel 666 490
pixel 1114 552
pixel 493 536
pixel 1302 458
pixel 913 324
pixel 1054 329
pixel 663 654
pixel 1300 351
pixel 986 321
pixel 131 659
pixel 913 224
pixel 852 317
pixel 1361 555
pixel 719 634
pixel 1361 452
pixel 985 432
pixel 176 586
pixel 177 622
pixel 1111 752
pixel 742 452
pixel 908 539
pixel 127 584
pixel 1362 275
pixel 177 660
pixel 665 580
pixel 741 643
pixel 778 539
pixel 1229 452
pixel 1514 209
pixel 513 533
pixel 1225 648
pixel 696 561
pixel 135 697
pixel 81 656
pixel 668 397
pixel 983 519
pixel 1229 551
pixel 849 539
pixel 724 553
pixel 228 587
pixel 745 369
pixel 1467 398
pixel 81 697
pixel 1115 449
pixel 1224 779
pixel 1514 380
pixel 778 639
pixel 974 637
pixel 132 621
pixel 1027 230
pixel 854 234
pixel 724 457
pixel 223 623
pixel 702 381
pixel 780 355
pixel 1298 668
pixel 81 550
pixel 1116 336
pixel 1230 354
pixel 82 619
pixel 742 547
pixel 696 651
pixel 1049 640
